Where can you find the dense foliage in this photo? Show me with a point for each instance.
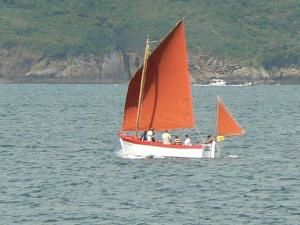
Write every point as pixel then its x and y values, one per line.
pixel 257 32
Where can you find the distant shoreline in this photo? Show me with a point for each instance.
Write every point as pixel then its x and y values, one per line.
pixel 5 81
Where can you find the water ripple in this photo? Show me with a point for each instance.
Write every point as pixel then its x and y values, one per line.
pixel 59 162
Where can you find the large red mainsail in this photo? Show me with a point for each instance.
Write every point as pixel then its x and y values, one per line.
pixel 167 100
pixel 226 124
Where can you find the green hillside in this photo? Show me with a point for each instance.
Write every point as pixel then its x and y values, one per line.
pixel 257 32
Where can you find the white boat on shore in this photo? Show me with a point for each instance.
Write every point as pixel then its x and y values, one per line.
pixel 217 82
pixel 223 83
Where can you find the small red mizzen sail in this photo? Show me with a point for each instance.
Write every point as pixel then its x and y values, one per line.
pixel 226 124
pixel 167 99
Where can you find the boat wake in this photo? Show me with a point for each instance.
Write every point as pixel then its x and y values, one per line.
pixel 124 154
pixel 231 156
pixel 127 155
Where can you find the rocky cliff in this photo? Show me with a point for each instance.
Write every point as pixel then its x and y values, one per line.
pixel 19 66
pixel 205 67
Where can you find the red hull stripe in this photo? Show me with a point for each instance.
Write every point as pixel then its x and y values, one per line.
pixel 134 140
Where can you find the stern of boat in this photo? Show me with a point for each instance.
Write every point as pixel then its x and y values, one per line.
pixel 211 151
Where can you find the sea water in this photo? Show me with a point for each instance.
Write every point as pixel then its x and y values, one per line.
pixel 59 161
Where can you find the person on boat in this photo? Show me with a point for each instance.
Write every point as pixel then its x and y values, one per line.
pixel 187 140
pixel 144 136
pixel 166 138
pixel 177 141
pixel 209 140
pixel 150 135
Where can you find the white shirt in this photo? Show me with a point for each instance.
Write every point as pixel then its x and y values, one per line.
pixel 149 135
pixel 187 141
pixel 166 137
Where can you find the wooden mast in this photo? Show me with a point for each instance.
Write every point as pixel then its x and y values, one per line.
pixel 146 55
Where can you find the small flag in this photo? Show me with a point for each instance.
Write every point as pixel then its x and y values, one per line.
pixel 220 138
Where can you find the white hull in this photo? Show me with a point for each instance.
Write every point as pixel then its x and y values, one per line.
pixel 217 82
pixel 144 149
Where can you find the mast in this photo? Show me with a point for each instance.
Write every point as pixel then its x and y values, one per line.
pixel 146 55
pixel 166 73
pixel 217 115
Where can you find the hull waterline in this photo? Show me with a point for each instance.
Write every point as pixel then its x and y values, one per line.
pixel 134 147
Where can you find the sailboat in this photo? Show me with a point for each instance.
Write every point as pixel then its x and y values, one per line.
pixel 159 97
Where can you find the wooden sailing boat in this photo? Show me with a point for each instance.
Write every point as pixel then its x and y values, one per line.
pixel 159 97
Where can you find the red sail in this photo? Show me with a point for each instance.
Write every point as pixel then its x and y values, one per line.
pixel 167 100
pixel 226 124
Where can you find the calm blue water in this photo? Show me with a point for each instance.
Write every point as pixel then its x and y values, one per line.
pixel 58 161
